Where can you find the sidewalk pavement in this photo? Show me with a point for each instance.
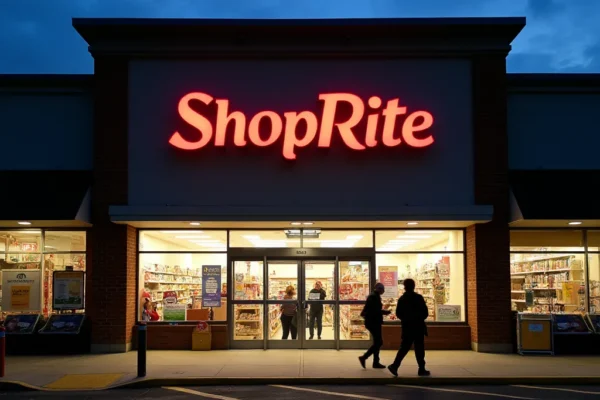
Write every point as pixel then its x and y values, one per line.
pixel 178 368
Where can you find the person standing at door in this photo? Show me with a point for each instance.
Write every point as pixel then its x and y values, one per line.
pixel 373 313
pixel 412 312
pixel 315 314
pixel 288 314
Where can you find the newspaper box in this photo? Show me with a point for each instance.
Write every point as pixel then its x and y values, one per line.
pixel 201 337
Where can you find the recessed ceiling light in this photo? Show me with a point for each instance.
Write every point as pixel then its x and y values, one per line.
pixel 307 223
pixel 412 223
pixel 24 223
pixel 575 223
pixel 296 223
pixel 195 223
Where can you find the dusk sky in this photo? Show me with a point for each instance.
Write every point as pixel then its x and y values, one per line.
pixel 36 36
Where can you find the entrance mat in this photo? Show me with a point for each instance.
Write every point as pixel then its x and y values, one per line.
pixel 84 381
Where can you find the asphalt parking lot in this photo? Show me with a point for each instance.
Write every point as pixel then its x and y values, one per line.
pixel 285 392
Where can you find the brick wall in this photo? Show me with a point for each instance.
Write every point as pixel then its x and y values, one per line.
pixel 488 260
pixel 112 273
pixel 454 337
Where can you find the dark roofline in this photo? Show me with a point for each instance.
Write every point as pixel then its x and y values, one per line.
pixel 121 33
pixel 46 81
pixel 553 81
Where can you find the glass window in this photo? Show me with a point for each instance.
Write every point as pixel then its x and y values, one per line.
pixel 248 279
pixel 439 279
pixel 594 286
pixel 419 240
pixel 184 240
pixel 345 239
pixel 171 285
pixel 248 320
pixel 319 322
pixel 21 241
pixel 544 283
pixel 354 280
pixel 593 239
pixel 352 325
pixel 283 321
pixel 64 241
pixel 319 275
pixel 258 238
pixel 282 278
pixel 540 240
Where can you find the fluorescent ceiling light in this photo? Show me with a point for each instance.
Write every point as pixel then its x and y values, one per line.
pixel 187 231
pixel 296 223
pixel 424 232
pixel 195 223
pixel 307 223
pixel 570 223
pixel 193 237
pixel 412 223
pixel 24 223
pixel 413 236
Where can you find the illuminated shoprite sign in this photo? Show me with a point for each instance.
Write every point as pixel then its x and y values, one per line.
pixel 321 130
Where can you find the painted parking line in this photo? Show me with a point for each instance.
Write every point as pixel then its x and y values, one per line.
pixel 346 395
pixel 506 396
pixel 197 393
pixel 557 389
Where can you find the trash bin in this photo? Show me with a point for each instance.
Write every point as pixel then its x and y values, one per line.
pixel 201 337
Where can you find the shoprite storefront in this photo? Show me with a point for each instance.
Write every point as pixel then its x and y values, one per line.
pixel 207 166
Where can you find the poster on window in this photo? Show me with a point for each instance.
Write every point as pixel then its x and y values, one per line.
pixel 211 286
pixel 21 290
pixel 67 290
pixel 389 277
pixel 447 313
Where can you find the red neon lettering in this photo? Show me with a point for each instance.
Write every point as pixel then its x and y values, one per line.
pixel 223 119
pixel 194 119
pixel 291 141
pixel 389 124
pixel 417 121
pixel 276 128
pixel 345 128
pixel 409 129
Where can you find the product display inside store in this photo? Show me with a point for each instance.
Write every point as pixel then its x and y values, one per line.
pixel 547 271
pixel 39 254
pixel 177 284
pixel 434 260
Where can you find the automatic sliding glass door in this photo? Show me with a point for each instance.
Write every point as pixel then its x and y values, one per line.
pixel 319 305
pixel 284 314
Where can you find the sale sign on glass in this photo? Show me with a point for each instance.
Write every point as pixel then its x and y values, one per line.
pixel 211 286
pixel 389 277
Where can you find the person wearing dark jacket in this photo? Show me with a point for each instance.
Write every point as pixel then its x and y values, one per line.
pixel 315 314
pixel 412 312
pixel 373 313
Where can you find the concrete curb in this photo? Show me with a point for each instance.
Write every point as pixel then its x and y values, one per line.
pixel 415 381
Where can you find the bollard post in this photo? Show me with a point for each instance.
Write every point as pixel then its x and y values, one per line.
pixel 141 350
pixel 2 351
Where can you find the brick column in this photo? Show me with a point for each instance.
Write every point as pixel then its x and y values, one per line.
pixel 112 277
pixel 488 259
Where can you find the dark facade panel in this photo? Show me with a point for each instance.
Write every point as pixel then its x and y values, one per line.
pixel 43 195
pixel 557 194
pixel 46 122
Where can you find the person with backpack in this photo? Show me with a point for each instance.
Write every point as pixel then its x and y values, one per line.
pixel 412 311
pixel 373 313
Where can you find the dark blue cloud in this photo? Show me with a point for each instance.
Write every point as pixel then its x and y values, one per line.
pixel 37 36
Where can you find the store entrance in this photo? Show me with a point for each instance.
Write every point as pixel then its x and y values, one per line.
pixel 301 304
pixel 292 303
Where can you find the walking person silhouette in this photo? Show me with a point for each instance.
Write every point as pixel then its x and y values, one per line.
pixel 412 312
pixel 373 314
